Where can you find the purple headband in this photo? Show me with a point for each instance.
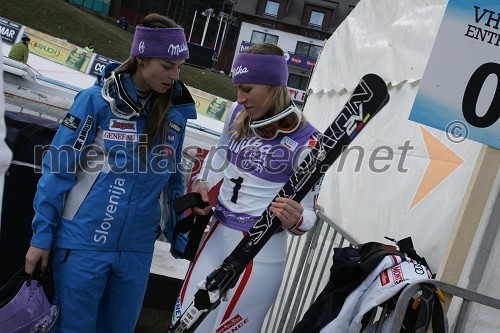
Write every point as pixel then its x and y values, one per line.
pixel 165 43
pixel 260 69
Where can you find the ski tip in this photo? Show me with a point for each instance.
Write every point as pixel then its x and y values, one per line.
pixel 374 79
pixel 378 84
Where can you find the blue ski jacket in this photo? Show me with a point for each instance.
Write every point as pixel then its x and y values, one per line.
pixel 95 192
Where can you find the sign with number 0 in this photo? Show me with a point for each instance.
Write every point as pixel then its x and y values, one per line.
pixel 460 89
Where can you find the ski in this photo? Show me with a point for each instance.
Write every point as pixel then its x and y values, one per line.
pixel 368 98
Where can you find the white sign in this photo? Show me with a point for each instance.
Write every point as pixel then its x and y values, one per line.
pixel 297 95
pixel 460 89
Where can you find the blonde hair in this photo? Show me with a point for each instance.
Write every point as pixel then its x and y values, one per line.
pixel 277 100
pixel 159 103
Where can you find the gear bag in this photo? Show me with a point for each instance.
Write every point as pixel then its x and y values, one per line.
pixel 26 303
pixel 351 266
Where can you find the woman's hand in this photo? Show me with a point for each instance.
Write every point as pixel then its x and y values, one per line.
pixel 202 188
pixel 33 257
pixel 289 212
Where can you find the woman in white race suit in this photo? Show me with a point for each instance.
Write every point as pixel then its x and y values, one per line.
pixel 265 136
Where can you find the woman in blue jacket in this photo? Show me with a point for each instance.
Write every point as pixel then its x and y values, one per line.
pixel 98 202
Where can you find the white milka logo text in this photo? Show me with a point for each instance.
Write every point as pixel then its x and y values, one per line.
pixel 253 153
pixel 116 191
pixel 177 49
pixel 250 142
pixel 240 70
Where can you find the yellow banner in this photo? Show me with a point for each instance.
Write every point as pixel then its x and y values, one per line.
pixel 58 50
pixel 210 105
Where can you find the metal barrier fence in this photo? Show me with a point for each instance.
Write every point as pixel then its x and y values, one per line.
pixel 306 273
pixel 309 259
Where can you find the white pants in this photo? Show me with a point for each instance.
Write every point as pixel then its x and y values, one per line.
pixel 248 302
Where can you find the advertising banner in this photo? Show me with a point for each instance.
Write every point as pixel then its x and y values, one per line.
pixel 298 60
pixel 297 95
pixel 58 50
pixel 245 45
pixel 210 105
pixel 9 30
pixel 97 65
pixel 460 89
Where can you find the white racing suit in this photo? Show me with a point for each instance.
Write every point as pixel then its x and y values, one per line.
pixel 253 170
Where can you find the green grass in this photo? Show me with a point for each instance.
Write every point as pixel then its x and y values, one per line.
pixel 80 27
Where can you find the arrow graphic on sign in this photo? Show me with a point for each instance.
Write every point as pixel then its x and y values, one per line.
pixel 442 162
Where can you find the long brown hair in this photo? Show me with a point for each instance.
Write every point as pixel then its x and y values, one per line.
pixel 159 103
pixel 277 100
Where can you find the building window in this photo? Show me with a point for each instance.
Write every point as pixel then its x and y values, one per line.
pixel 316 19
pixel 313 34
pixel 297 81
pixel 272 8
pixel 259 37
pixel 308 50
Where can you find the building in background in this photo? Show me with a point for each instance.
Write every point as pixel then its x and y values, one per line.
pixel 299 27
pixel 224 28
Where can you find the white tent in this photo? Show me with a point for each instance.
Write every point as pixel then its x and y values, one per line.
pixel 403 178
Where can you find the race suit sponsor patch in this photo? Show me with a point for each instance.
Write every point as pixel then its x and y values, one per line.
pixel 289 143
pixel 71 122
pixel 123 125
pixel 84 132
pixel 233 324
pixel 397 274
pixel 174 126
pixel 118 136
pixel 384 278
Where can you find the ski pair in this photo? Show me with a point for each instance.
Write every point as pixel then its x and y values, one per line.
pixel 367 99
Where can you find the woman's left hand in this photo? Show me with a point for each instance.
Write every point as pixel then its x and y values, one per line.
pixel 289 212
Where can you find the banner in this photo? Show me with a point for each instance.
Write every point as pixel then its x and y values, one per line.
pixel 460 88
pixel 245 45
pixel 9 30
pixel 210 105
pixel 297 95
pixel 298 60
pixel 58 50
pixel 97 65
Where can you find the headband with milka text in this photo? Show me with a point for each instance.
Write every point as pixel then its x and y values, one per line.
pixel 260 69
pixel 165 43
